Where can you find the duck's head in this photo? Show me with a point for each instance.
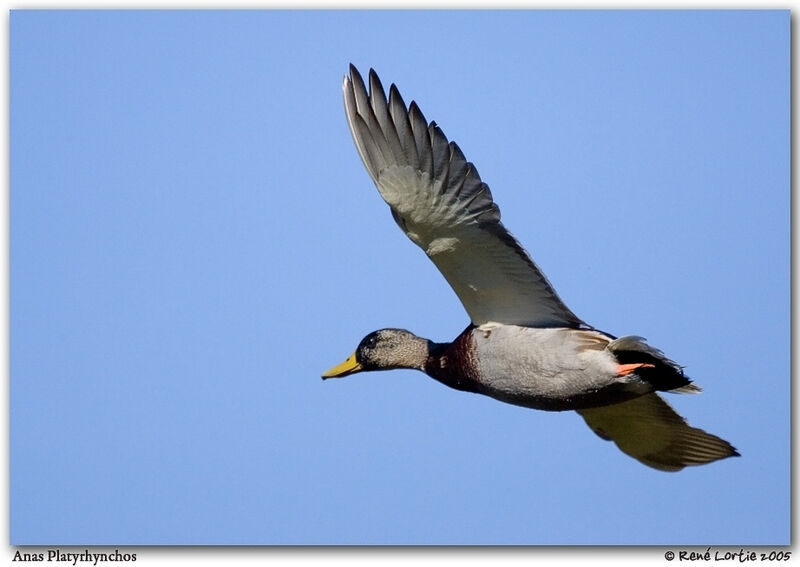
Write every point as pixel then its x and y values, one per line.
pixel 384 350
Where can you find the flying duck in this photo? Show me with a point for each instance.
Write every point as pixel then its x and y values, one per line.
pixel 523 346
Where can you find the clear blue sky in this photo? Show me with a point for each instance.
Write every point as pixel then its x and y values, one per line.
pixel 194 240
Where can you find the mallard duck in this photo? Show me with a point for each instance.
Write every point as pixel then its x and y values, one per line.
pixel 523 345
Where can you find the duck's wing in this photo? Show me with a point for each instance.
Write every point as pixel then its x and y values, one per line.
pixel 438 199
pixel 650 431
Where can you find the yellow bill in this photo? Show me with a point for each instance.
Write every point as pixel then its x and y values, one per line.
pixel 349 366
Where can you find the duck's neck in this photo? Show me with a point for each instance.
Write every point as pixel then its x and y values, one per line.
pixel 416 353
pixel 448 363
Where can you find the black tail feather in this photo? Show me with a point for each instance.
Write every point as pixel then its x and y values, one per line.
pixel 664 374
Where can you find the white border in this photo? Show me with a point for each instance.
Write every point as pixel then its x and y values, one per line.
pixel 354 556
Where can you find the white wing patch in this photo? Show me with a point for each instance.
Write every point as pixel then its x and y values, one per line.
pixel 442 245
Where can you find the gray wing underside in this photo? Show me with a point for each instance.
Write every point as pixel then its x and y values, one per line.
pixel 650 431
pixel 438 199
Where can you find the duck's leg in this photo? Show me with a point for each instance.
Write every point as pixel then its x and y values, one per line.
pixel 625 369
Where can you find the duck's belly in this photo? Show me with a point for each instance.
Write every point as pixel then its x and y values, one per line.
pixel 549 369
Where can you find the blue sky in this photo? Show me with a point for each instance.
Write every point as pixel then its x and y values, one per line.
pixel 194 240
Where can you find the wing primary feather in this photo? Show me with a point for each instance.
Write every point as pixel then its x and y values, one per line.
pixel 421 138
pixel 472 185
pixel 365 111
pixel 481 191
pixel 399 112
pixel 377 98
pixel 458 168
pixel 440 150
pixel 372 156
pixel 351 110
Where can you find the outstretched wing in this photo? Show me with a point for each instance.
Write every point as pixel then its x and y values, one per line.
pixel 650 431
pixel 438 199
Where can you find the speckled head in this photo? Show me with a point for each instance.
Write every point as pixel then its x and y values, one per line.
pixel 385 349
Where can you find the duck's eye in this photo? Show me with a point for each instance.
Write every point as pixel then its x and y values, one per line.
pixel 368 343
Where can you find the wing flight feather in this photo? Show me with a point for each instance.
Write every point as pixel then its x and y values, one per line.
pixel 650 431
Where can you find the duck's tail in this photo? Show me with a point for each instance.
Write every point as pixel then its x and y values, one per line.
pixel 651 365
pixel 646 427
